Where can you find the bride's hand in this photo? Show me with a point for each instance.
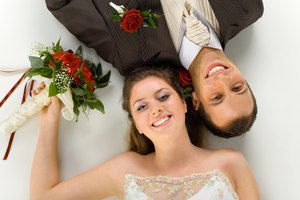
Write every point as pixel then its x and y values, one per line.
pixel 51 113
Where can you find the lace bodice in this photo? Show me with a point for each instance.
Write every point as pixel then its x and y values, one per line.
pixel 213 185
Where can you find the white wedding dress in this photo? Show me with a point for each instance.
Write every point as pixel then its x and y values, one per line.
pixel 213 185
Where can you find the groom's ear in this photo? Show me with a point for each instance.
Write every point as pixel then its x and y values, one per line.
pixel 195 101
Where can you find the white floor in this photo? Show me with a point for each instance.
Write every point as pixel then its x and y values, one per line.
pixel 266 52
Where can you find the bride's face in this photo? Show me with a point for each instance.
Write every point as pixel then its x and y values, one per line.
pixel 156 108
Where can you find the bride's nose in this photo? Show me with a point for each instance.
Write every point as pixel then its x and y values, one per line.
pixel 157 109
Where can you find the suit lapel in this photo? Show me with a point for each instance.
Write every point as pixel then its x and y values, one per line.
pixel 129 3
pixel 154 41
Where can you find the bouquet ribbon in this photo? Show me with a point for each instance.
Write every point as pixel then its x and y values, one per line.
pixel 32 106
pixel 22 101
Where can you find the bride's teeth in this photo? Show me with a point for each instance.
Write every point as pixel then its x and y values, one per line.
pixel 160 122
pixel 215 69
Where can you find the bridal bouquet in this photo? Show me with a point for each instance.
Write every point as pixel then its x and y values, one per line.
pixel 66 74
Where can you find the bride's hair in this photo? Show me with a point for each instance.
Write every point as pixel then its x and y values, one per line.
pixel 139 142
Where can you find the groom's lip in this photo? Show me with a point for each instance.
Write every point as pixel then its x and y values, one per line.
pixel 213 65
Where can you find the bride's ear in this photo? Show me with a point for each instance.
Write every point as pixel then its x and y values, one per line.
pixel 195 101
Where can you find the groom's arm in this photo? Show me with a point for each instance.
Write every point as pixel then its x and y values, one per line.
pixel 83 20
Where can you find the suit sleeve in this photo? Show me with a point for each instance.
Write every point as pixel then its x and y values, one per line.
pixel 84 21
pixel 235 15
pixel 254 9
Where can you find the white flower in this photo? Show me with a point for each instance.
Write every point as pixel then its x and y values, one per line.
pixel 120 9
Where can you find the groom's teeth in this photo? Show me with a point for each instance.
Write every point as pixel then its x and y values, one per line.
pixel 160 122
pixel 215 69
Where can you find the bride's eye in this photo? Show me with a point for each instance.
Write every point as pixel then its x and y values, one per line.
pixel 164 97
pixel 141 107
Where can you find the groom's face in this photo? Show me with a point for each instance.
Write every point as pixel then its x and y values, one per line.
pixel 221 88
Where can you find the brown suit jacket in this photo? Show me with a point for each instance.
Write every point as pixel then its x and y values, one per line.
pixel 91 22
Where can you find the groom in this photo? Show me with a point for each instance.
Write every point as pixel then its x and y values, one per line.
pixel 222 95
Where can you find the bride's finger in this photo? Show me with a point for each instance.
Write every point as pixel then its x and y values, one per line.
pixel 55 101
pixel 39 89
pixel 42 85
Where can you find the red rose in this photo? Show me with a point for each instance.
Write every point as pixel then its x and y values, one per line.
pixel 131 20
pixel 73 64
pixel 185 78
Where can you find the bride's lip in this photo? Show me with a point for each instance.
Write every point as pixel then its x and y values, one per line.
pixel 215 68
pixel 161 121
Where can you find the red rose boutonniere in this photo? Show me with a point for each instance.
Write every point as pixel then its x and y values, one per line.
pixel 185 78
pixel 186 82
pixel 132 20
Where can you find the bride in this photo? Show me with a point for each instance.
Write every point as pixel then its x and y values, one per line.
pixel 164 160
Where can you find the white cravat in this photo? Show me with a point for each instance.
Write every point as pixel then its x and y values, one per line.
pixel 195 30
pixel 199 34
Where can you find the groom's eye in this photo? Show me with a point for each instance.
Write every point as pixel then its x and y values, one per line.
pixel 216 98
pixel 237 88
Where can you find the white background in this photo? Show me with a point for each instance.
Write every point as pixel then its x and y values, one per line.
pixel 266 52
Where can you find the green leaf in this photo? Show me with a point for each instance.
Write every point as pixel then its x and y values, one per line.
pixel 151 22
pixel 57 46
pixel 89 93
pixel 58 65
pixel 99 106
pixel 104 79
pixel 53 90
pixel 92 67
pixel 76 106
pixel 81 77
pixel 76 111
pixel 91 105
pixel 48 58
pixel 155 16
pixel 145 24
pixel 188 89
pixel 78 91
pixel 36 62
pixel 102 85
pixel 43 71
pixel 146 13
pixel 116 16
pixel 80 74
pixel 99 70
pixel 78 52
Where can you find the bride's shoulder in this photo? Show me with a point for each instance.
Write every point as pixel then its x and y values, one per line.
pixel 226 152
pixel 226 156
pixel 128 159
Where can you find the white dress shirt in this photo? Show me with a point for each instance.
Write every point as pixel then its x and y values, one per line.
pixel 173 11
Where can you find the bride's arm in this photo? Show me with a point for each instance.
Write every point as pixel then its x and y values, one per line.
pixel 44 172
pixel 244 179
pixel 45 184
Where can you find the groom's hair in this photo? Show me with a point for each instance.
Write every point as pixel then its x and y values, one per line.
pixel 234 128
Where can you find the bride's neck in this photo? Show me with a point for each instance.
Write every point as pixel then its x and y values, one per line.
pixel 174 154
